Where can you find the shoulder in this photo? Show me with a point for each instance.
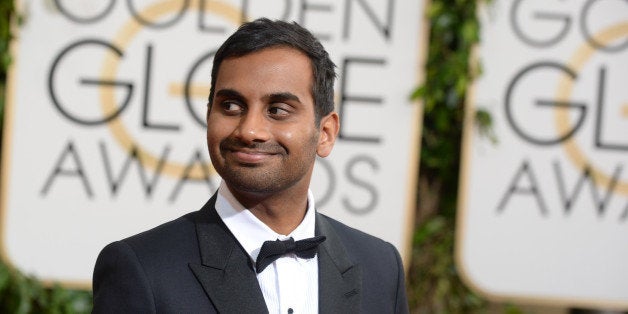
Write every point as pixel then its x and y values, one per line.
pixel 156 249
pixel 359 244
pixel 351 234
pixel 147 271
pixel 382 271
pixel 161 246
pixel 171 233
pixel 150 245
pixel 178 235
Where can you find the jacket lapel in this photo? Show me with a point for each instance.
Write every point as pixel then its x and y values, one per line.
pixel 339 279
pixel 225 272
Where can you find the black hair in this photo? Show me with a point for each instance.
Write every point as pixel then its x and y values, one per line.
pixel 264 33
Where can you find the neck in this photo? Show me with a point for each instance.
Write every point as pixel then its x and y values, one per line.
pixel 281 213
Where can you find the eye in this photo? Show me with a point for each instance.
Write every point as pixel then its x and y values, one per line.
pixel 279 110
pixel 231 107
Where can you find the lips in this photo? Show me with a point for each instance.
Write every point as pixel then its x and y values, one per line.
pixel 251 156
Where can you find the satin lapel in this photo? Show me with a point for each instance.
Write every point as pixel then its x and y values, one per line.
pixel 339 280
pixel 225 271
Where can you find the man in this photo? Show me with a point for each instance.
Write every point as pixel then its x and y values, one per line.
pixel 270 113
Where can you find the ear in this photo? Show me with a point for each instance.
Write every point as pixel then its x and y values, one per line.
pixel 329 127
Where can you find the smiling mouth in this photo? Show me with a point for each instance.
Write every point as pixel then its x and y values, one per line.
pixel 250 156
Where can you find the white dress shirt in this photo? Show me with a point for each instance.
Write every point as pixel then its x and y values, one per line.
pixel 289 284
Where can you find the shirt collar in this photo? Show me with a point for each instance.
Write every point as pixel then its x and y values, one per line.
pixel 252 232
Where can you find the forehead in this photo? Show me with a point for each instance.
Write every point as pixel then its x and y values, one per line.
pixel 278 65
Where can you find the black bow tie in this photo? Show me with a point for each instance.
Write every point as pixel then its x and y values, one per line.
pixel 272 250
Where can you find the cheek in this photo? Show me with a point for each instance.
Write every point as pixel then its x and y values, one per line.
pixel 209 134
pixel 217 126
pixel 286 134
pixel 298 137
pixel 214 136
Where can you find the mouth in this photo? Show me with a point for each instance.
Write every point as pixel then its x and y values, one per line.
pixel 250 155
pixel 245 156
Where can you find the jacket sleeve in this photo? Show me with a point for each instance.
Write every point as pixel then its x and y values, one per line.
pixel 120 283
pixel 401 305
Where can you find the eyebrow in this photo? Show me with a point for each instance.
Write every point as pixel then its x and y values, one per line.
pixel 283 96
pixel 229 93
pixel 273 97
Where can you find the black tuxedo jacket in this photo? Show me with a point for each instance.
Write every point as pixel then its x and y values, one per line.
pixel 195 265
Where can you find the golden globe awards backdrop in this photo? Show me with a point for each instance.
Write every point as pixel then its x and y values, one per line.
pixel 105 121
pixel 544 208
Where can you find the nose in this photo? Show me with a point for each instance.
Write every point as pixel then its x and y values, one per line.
pixel 253 127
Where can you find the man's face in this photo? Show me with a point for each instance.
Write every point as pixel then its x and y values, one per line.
pixel 261 133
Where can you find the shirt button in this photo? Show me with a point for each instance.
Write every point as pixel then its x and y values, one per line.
pixel 290 311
